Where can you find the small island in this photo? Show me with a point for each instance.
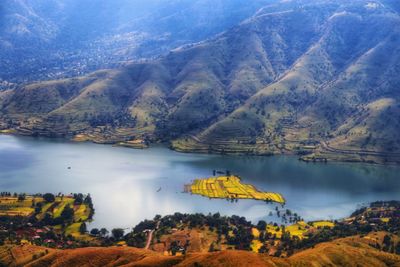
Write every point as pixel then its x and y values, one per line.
pixel 230 187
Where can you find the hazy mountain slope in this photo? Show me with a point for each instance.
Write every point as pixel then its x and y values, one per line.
pixel 49 39
pixel 339 46
pixel 297 77
pixel 366 98
pixel 190 87
pixel 349 68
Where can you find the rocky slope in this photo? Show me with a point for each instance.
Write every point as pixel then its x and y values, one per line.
pixel 317 79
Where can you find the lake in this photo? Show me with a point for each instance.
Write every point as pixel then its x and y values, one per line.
pixel 124 182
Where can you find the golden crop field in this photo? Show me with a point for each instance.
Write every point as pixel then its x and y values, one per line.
pixel 231 187
pixel 11 206
pixel 323 224
pixel 298 229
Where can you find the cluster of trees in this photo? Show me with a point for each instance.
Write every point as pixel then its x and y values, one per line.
pixel 103 232
pixel 8 194
pixel 21 197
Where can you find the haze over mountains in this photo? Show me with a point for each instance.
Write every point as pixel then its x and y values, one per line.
pixel 42 40
pixel 320 79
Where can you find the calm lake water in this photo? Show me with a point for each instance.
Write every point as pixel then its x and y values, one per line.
pixel 124 182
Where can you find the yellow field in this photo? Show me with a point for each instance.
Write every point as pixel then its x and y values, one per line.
pixel 10 206
pixel 385 220
pixel 60 207
pixel 323 224
pixel 256 245
pixel 82 213
pixel 255 232
pixel 297 229
pixel 230 187
pixel 274 230
pixel 7 131
pixel 73 229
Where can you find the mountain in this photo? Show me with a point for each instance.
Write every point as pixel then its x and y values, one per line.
pixel 315 79
pixel 52 39
pixel 341 252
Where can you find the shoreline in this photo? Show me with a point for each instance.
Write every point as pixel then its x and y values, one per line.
pixel 316 156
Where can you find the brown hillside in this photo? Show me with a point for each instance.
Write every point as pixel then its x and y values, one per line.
pixel 351 251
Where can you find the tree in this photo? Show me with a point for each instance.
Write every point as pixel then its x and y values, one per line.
pixel 83 228
pixel 48 197
pixel 68 213
pixel 21 197
pixel 386 242
pixel 103 232
pixel 95 232
pixel 212 247
pixel 117 233
pixel 88 200
pixel 79 199
pixel 47 219
pixel 262 225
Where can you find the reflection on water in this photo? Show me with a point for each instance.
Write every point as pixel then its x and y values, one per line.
pixel 124 182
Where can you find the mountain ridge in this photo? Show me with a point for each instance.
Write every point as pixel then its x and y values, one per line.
pixel 322 92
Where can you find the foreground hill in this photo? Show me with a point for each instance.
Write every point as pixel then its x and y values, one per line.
pixel 352 251
pixel 369 237
pixel 319 80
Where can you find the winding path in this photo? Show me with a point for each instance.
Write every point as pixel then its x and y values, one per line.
pixel 150 236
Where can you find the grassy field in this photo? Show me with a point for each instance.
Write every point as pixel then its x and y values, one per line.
pixel 230 187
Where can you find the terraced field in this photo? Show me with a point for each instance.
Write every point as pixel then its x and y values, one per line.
pixel 12 206
pixel 230 187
